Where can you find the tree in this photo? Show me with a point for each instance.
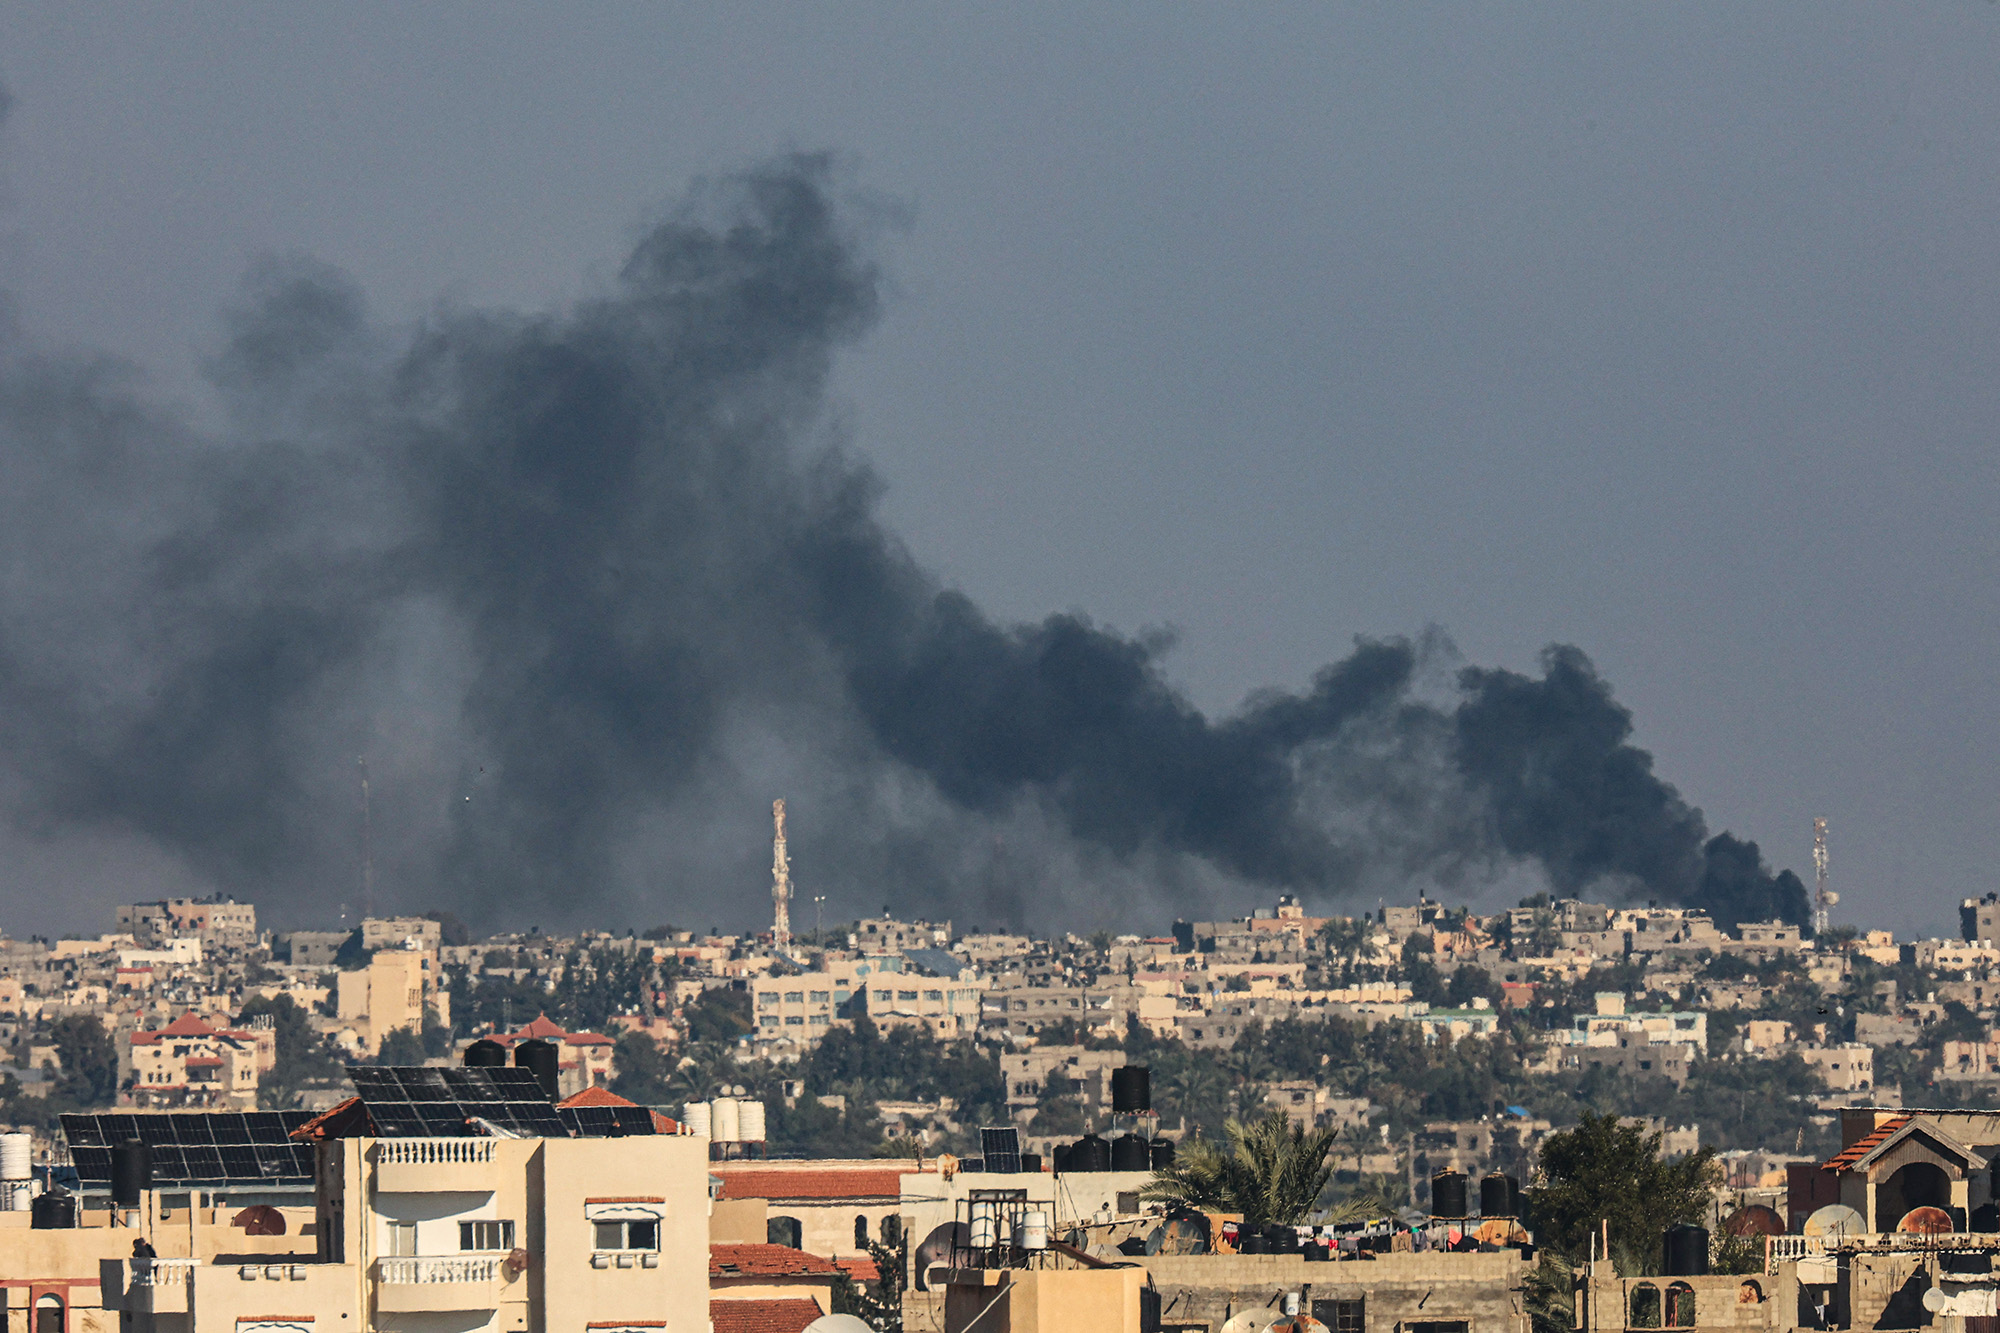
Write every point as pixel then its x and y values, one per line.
pixel 89 1060
pixel 400 1047
pixel 1274 1172
pixel 1609 1170
pixel 719 1015
pixel 643 1070
pixel 302 1055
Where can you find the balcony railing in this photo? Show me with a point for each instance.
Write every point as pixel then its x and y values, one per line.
pixel 433 1152
pixel 1782 1249
pixel 424 1272
pixel 162 1272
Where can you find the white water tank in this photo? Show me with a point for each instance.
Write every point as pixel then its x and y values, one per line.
pixel 1033 1231
pixel 17 1156
pixel 17 1196
pixel 695 1116
pixel 727 1122
pixel 750 1117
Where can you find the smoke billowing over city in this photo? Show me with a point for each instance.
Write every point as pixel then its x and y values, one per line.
pixel 579 591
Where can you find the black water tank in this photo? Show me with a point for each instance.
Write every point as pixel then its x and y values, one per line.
pixel 540 1058
pixel 52 1212
pixel 1129 1153
pixel 1685 1251
pixel 1494 1201
pixel 1031 1163
pixel 1163 1154
pixel 1252 1244
pixel 485 1054
pixel 1131 1089
pixel 1061 1154
pixel 1448 1194
pixel 1514 1197
pixel 1090 1153
pixel 131 1172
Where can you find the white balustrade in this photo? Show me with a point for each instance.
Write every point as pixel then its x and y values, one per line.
pixel 433 1152
pixel 423 1272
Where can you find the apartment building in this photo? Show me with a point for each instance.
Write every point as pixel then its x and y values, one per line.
pixel 793 1011
pixel 393 991
pixel 188 1063
pixel 219 921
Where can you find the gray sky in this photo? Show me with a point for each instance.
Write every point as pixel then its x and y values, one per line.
pixel 1669 332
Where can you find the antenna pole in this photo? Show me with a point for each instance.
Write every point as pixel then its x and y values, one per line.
pixel 781 880
pixel 1822 900
pixel 367 845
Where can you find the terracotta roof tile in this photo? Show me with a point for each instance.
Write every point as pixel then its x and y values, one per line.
pixel 809 1183
pixel 861 1270
pixel 606 1097
pixel 766 1261
pixel 1866 1144
pixel 761 1316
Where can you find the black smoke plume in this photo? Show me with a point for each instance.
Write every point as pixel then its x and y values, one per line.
pixel 584 589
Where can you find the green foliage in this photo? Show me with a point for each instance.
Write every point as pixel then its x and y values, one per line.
pixel 643 1070
pixel 400 1047
pixel 718 1015
pixel 1609 1170
pixel 1273 1172
pixel 436 1035
pixel 302 1055
pixel 1549 1293
pixel 881 1307
pixel 811 1129
pixel 89 1060
pixel 1735 1254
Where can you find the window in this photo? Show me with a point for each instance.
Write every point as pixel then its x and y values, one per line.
pixel 767 999
pixel 795 1020
pixel 934 995
pixel 820 997
pixel 402 1239
pixel 630 1234
pixel 861 1231
pixel 795 997
pixel 1342 1316
pixel 769 1020
pixel 485 1235
pixel 906 995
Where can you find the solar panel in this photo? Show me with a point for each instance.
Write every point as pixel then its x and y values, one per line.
pixel 195 1148
pixel 432 1102
pixel 1002 1149
pixel 607 1122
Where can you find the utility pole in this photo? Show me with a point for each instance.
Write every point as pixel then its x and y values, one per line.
pixel 781 881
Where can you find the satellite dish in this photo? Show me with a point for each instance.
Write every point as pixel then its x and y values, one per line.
pixel 260 1219
pixel 1935 1300
pixel 1835 1220
pixel 837 1323
pixel 1251 1321
pixel 1755 1220
pixel 1926 1221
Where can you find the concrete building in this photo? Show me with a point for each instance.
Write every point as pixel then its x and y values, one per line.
pixel 189 1064
pixel 394 990
pixel 218 921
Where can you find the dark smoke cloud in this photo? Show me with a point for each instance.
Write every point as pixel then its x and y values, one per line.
pixel 585 589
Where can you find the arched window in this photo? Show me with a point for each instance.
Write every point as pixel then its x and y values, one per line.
pixel 785 1231
pixel 892 1231
pixel 1680 1305
pixel 49 1314
pixel 861 1231
pixel 1645 1311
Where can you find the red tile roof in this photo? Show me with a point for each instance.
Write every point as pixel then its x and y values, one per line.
pixel 187 1025
pixel 861 1270
pixel 761 1316
pixel 809 1183
pixel 1866 1144
pixel 766 1261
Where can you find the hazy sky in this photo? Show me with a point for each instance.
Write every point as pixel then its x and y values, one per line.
pixel 1666 331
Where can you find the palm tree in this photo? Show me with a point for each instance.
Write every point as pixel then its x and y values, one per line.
pixel 1274 1172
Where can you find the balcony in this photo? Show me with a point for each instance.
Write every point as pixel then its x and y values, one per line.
pixel 430 1166
pixel 418 1285
pixel 159 1286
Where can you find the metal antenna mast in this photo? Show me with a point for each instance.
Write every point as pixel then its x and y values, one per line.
pixel 367 845
pixel 781 881
pixel 1823 900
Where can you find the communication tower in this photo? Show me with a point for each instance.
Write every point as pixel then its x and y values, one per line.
pixel 1823 898
pixel 781 881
